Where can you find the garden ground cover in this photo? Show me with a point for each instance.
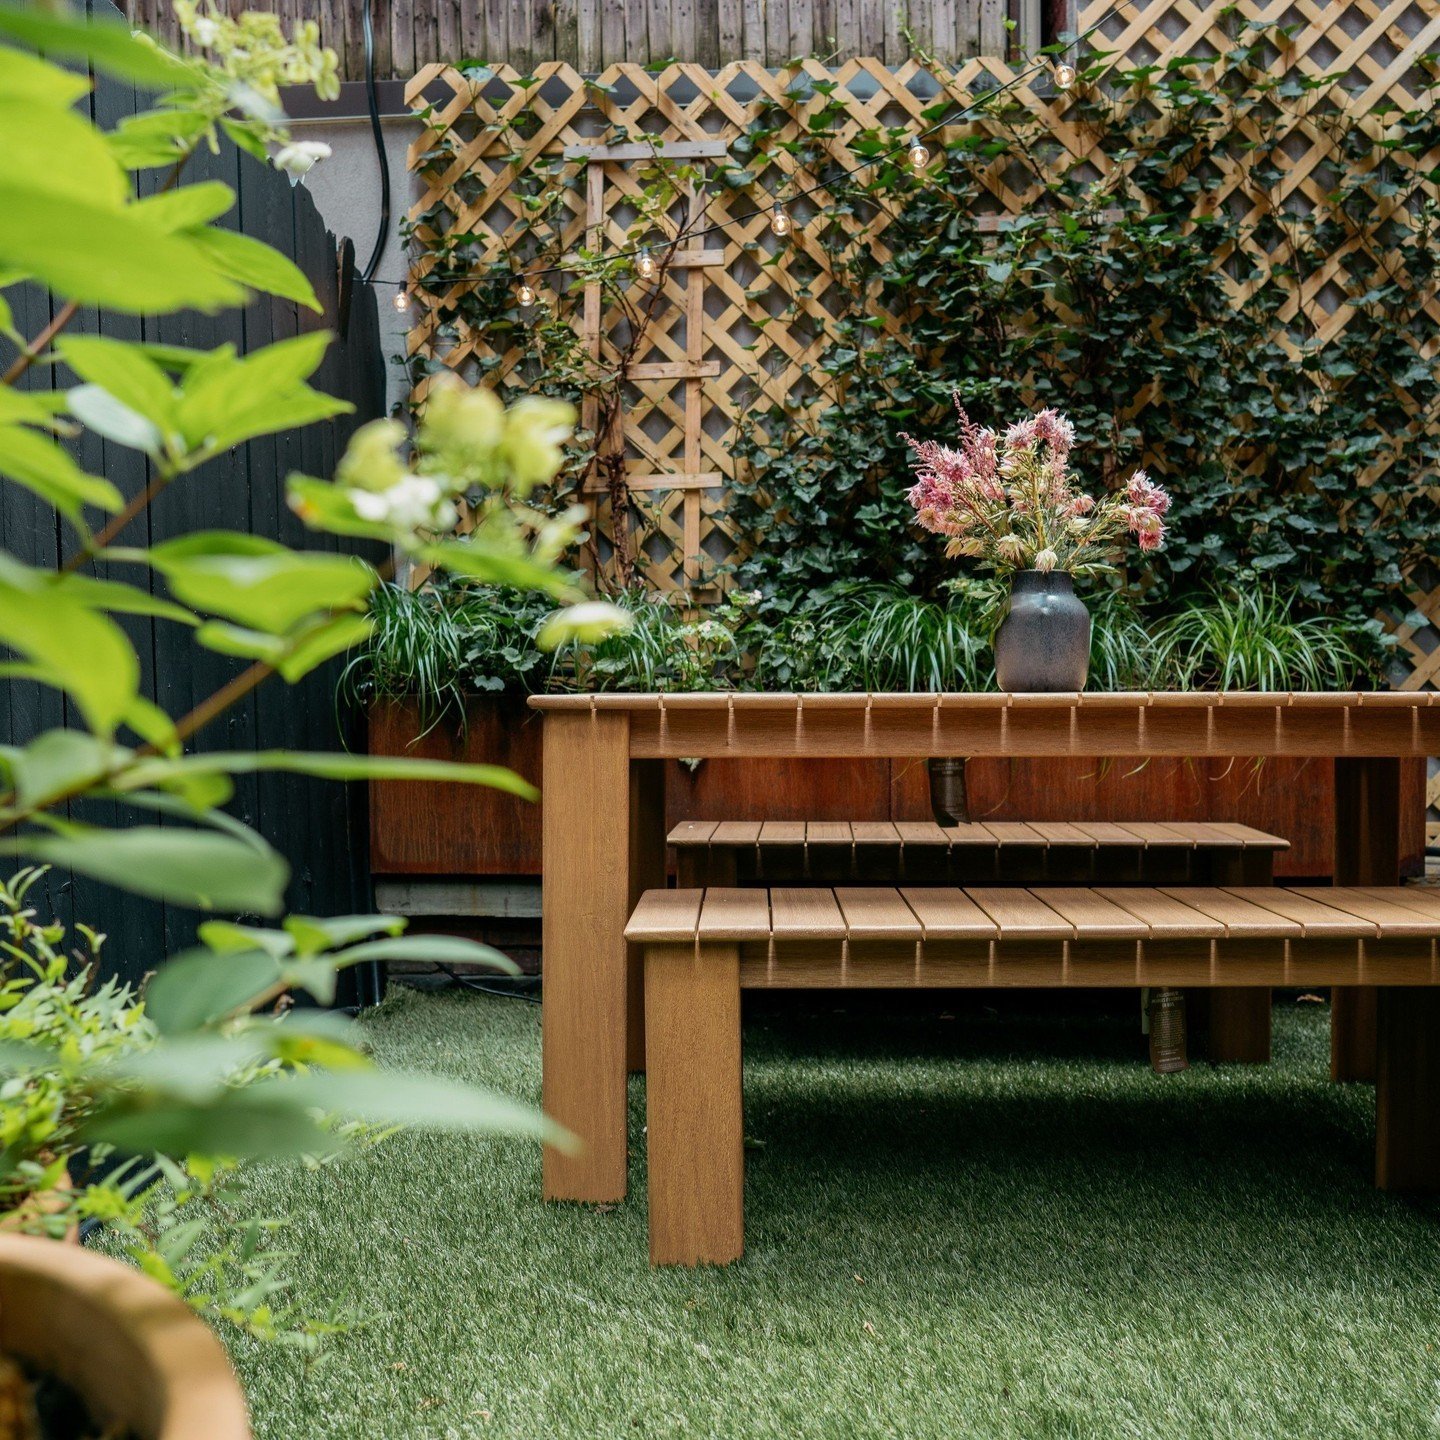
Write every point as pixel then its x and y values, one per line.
pixel 984 1225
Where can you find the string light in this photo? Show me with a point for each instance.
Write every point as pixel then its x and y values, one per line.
pixel 645 264
pixel 402 300
pixel 1063 74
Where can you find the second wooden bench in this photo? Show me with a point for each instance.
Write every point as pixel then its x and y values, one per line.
pixel 702 947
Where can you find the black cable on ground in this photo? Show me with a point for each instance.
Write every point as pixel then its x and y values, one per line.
pixel 482 987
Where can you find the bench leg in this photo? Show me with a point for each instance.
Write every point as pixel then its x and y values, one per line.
pixel 1239 1025
pixel 1407 1090
pixel 1367 852
pixel 695 1132
pixel 647 872
pixel 1239 1032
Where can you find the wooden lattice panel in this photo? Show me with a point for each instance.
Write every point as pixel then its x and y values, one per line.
pixel 469 163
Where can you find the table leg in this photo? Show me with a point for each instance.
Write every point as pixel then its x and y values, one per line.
pixel 694 1113
pixel 586 893
pixel 647 872
pixel 1367 852
pixel 1407 1090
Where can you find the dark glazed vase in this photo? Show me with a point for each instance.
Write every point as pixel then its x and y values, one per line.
pixel 1043 643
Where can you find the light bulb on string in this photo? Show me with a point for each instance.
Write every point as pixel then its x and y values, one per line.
pixel 645 264
pixel 401 300
pixel 919 154
pixel 525 293
pixel 1064 76
pixel 780 221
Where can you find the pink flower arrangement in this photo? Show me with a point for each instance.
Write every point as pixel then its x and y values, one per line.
pixel 1011 502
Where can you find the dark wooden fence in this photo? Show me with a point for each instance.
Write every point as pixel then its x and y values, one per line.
pixel 591 34
pixel 319 827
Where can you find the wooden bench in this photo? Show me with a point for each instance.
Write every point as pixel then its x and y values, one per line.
pixel 1235 1023
pixel 786 852
pixel 702 947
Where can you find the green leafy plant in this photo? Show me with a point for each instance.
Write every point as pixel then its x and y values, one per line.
pixel 71 1045
pixel 1249 638
pixel 230 1070
pixel 663 647
pixel 1293 447
pixel 446 640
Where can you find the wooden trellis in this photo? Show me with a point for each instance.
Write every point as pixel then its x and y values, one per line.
pixel 666 472
pixel 719 355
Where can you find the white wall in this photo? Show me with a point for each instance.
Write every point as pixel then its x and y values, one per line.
pixel 346 188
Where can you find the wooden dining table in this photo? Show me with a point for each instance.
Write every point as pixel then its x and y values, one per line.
pixel 604 839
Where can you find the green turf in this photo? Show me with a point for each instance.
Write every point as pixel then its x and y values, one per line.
pixel 974 1227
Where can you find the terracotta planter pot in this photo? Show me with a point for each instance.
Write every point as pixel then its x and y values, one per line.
pixel 137 1356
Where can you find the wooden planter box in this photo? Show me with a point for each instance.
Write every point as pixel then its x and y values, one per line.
pixel 438 829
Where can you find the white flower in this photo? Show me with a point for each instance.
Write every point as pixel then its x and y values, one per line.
pixel 1046 561
pixel 299 156
pixel 205 31
pixel 414 502
pixel 587 622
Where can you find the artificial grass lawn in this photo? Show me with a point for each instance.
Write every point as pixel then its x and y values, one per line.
pixel 973 1227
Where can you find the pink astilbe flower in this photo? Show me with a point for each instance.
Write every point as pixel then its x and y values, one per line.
pixel 1011 500
pixel 1144 492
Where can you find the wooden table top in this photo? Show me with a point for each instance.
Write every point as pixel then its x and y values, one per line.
pixel 1353 723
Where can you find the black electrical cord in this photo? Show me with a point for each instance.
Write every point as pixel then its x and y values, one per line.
pixel 467 982
pixel 382 234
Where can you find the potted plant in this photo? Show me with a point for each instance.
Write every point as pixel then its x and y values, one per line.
pixel 147 1366
pixel 1011 502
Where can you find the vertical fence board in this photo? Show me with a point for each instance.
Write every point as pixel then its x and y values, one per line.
pixel 591 34
pixel 313 824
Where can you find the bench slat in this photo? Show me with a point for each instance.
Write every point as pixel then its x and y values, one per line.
pixel 874 832
pixel 1014 832
pixel 665 915
pixel 1021 916
pixel 1249 837
pixel 948 914
pixel 972 832
pixel 736 832
pixel 729 914
pixel 1314 916
pixel 1093 915
pixel 1242 918
pixel 1392 917
pixel 808 912
pixel 1105 833
pixel 1153 835
pixel 692 832
pixel 876 913
pixel 921 832
pixel 828 832
pixel 1167 918
pixel 1422 899
pixel 782 832
pixel 1061 832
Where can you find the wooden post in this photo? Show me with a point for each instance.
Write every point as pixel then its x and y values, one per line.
pixel 647 872
pixel 1239 1029
pixel 588 823
pixel 1407 1090
pixel 1367 852
pixel 694 1111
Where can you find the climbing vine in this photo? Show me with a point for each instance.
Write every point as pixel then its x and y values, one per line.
pixel 1178 322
